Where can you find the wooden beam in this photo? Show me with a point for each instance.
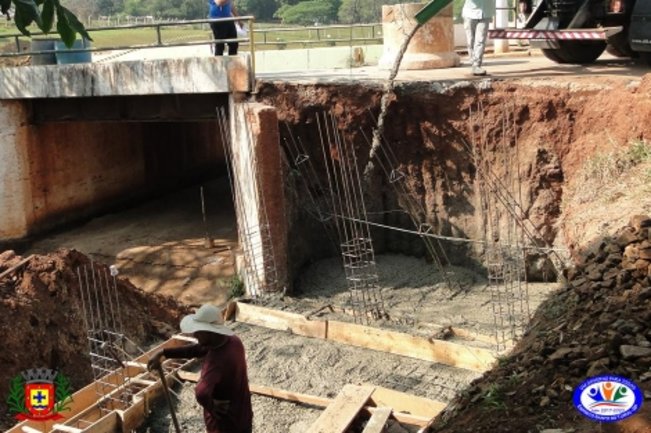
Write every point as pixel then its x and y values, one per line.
pixel 339 415
pixel 378 420
pixel 66 428
pixel 17 266
pixel 84 401
pixel 280 320
pixel 107 424
pixel 403 402
pixel 297 397
pixel 444 352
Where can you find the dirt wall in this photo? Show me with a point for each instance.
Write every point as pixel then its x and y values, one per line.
pixel 534 138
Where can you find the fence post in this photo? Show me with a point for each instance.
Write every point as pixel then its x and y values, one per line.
pixel 158 36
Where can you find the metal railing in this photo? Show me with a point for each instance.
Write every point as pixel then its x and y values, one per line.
pixel 158 27
pixel 200 35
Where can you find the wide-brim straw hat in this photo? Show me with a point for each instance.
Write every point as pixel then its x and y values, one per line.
pixel 206 318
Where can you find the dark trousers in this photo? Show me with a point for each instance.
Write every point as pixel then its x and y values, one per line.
pixel 225 30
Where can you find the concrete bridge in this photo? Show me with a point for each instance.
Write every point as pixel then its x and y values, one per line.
pixel 78 140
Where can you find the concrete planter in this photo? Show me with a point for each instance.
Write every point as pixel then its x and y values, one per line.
pixel 431 47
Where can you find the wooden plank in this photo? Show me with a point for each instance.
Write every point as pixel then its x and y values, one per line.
pixel 378 420
pixel 17 266
pixel 444 352
pixel 296 397
pixel 268 391
pixel 66 428
pixel 108 424
pixel 84 400
pixel 280 320
pixel 339 415
pixel 402 402
pixel 133 417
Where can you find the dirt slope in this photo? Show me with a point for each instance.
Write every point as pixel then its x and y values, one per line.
pixel 41 320
pixel 600 323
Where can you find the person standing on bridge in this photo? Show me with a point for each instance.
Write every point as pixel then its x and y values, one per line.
pixel 223 388
pixel 477 15
pixel 224 29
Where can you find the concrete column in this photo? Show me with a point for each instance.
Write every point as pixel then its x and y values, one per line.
pixel 431 47
pixel 259 195
pixel 501 22
pixel 15 189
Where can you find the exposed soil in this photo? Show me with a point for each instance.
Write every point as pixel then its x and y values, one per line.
pixel 41 319
pixel 160 245
pixel 599 323
pixel 534 135
pixel 537 138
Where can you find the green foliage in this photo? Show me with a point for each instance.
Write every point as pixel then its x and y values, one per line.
pixel 16 398
pixel 362 11
pixel 493 397
pixel 236 288
pixel 604 169
pixel 42 13
pixel 639 151
pixel 310 12
pixel 262 10
pixel 63 395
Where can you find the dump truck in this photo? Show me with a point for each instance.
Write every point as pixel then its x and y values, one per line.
pixel 579 31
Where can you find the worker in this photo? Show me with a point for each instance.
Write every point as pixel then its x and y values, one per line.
pixel 477 15
pixel 223 388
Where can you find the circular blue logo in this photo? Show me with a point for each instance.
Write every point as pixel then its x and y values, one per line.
pixel 607 398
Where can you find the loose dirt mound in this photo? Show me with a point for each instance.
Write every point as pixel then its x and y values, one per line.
pixel 598 324
pixel 41 319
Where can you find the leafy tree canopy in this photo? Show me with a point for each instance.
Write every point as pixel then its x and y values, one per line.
pixel 310 12
pixel 44 14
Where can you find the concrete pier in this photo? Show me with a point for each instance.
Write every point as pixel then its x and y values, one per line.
pixel 431 47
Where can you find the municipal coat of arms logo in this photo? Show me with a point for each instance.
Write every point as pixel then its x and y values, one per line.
pixel 39 394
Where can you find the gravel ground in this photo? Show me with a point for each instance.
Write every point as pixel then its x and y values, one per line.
pixel 411 289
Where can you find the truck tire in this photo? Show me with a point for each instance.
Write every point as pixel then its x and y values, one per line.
pixel 645 57
pixel 576 52
pixel 618 45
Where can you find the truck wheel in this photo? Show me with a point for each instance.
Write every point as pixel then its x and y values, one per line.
pixel 576 52
pixel 645 57
pixel 618 45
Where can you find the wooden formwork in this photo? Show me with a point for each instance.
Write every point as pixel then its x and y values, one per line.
pixel 398 343
pixel 89 414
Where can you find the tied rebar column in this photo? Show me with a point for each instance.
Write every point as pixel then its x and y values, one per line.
pixel 353 230
pixel 254 232
pixel 107 344
pixel 505 230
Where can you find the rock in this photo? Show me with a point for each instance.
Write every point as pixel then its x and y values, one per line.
pixel 599 366
pixel 642 265
pixel 632 252
pixel 644 294
pixel 626 237
pixel 561 353
pixel 632 352
pixel 645 253
pixel 5 256
pixel 639 222
pixel 557 430
pixel 545 401
pixel 612 248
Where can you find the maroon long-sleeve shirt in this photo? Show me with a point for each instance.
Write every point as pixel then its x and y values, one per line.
pixel 223 377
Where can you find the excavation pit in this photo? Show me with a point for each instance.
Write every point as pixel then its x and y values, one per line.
pixel 539 140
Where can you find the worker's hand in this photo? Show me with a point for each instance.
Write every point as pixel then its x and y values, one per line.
pixel 155 361
pixel 220 407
